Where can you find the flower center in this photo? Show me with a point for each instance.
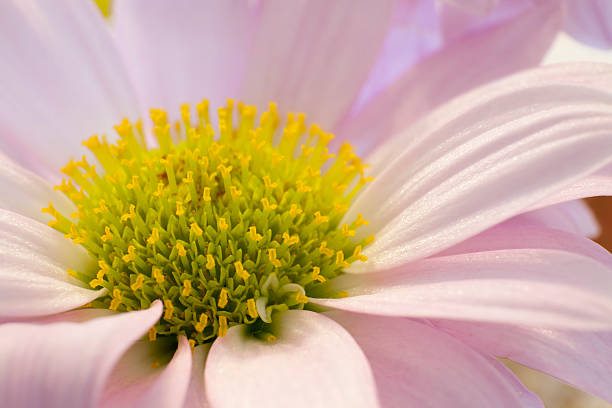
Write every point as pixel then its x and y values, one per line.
pixel 225 230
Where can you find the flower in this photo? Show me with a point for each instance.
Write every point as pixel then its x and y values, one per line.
pixel 480 249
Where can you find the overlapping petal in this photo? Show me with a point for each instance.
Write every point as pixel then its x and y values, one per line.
pixel 483 158
pixel 413 362
pixel 62 81
pixel 590 21
pixel 34 260
pixel 539 287
pixel 583 359
pixel 62 364
pixel 450 72
pixel 196 394
pixel 134 383
pixel 313 363
pixel 26 193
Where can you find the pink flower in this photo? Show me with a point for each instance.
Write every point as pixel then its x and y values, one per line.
pixel 480 249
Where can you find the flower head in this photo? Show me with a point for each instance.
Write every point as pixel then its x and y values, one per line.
pixel 228 260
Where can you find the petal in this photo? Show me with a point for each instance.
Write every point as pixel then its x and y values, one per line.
pixel 598 183
pixel 474 6
pixel 571 216
pixel 33 269
pixel 419 90
pixel 546 288
pixel 485 157
pixel 515 234
pixel 62 81
pixel 581 359
pixel 41 367
pixel 314 56
pixel 26 193
pixel 313 363
pixel 590 21
pixel 184 51
pixel 433 369
pixel 134 383
pixel 196 394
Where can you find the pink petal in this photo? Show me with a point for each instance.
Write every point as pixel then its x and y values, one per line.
pixel 474 6
pixel 196 394
pixel 313 363
pixel 33 269
pixel 65 364
pixel 590 21
pixel 416 365
pixel 62 81
pixel 322 58
pixel 546 288
pixel 184 51
pixel 582 359
pixel 419 90
pixel 485 157
pixel 598 183
pixel 26 193
pixel 571 216
pixel 134 383
pixel 514 234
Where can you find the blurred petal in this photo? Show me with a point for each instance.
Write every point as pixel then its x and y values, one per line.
pixel 544 288
pixel 315 56
pixel 581 359
pixel 134 383
pixel 196 394
pixel 474 6
pixel 419 90
pixel 65 364
pixel 183 51
pixel 313 363
pixel 26 193
pixel 571 216
pixel 483 158
pixel 62 81
pixel 33 269
pixel 413 362
pixel 590 21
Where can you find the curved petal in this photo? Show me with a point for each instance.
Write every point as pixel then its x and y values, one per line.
pixel 590 21
pixel 41 368
pixel 595 184
pixel 419 90
pixel 196 394
pixel 544 288
pixel 183 51
pixel 62 81
pixel 416 365
pixel 26 193
pixel 33 269
pixel 571 216
pixel 313 363
pixel 514 234
pixel 485 157
pixel 134 383
pixel 583 359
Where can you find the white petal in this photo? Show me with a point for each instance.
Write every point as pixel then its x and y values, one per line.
pixel 62 81
pixel 544 288
pixel 33 269
pixel 313 363
pixel 484 158
pixel 61 365
pixel 196 394
pixel 571 216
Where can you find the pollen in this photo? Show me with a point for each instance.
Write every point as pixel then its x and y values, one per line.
pixel 226 228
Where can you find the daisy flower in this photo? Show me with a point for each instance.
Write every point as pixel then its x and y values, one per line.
pixel 245 258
